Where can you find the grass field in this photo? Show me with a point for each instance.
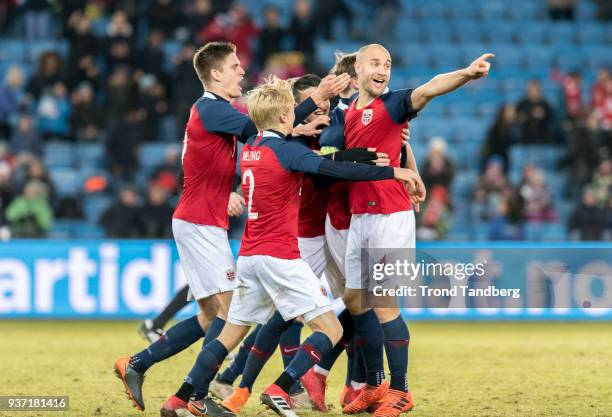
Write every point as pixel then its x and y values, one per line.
pixel 456 369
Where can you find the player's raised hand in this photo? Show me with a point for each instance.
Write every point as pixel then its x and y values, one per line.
pixel 330 86
pixel 236 205
pixel 406 134
pixel 313 128
pixel 480 67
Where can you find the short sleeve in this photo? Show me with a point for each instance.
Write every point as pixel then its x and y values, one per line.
pixel 295 156
pixel 399 105
pixel 333 135
pixel 219 116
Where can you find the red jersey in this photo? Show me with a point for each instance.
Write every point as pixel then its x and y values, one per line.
pixel 379 125
pixel 209 161
pixel 271 170
pixel 313 203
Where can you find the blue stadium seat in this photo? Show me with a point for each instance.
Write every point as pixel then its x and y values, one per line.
pixel 87 230
pixel 525 10
pixel 152 154
pixel 562 33
pixel 12 50
pixel 415 54
pixel 508 56
pixel 436 31
pixel 532 33
pixel 467 31
pixel 91 155
pixel 537 56
pixel 37 48
pixel 61 229
pixel 492 10
pixel 94 205
pixel 65 181
pixel 59 155
pixel 499 31
pixel 444 56
pixel 591 33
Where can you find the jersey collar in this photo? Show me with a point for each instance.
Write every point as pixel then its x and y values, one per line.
pixel 356 96
pixel 272 134
pixel 213 96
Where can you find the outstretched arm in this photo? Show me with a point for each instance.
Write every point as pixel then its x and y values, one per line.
pixel 445 83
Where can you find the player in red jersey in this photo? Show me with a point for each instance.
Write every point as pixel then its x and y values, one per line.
pixel 382 217
pixel 271 273
pixel 200 219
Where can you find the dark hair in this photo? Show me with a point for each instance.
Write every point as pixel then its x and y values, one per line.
pixel 303 83
pixel 345 63
pixel 209 57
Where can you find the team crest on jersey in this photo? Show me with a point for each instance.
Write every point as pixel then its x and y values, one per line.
pixel 366 116
pixel 230 274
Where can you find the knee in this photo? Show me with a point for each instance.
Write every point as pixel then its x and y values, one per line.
pixel 386 315
pixel 352 301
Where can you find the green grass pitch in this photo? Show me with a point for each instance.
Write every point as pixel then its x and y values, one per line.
pixel 456 369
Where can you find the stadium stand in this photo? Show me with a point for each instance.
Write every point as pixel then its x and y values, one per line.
pixel 427 37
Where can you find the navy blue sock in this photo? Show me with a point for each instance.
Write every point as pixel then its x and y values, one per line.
pixel 289 345
pixel 214 330
pixel 206 366
pixel 265 344
pixel 177 338
pixel 235 369
pixel 370 341
pixel 348 331
pixel 397 339
pixel 358 370
pixel 310 352
pixel 350 357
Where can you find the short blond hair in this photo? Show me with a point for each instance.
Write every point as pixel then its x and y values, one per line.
pixel 268 101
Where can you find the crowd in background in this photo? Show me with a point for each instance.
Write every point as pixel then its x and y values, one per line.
pixel 116 86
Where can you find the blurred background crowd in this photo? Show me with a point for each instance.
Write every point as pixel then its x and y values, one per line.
pixel 94 95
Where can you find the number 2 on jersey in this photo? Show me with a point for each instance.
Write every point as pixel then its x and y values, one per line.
pixel 248 178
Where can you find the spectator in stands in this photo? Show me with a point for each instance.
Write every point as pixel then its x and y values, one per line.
pixel 124 138
pixel 9 102
pixel 37 19
pixel 271 37
pixel 535 115
pixel 572 96
pixel 151 58
pixel 153 101
pixel 186 87
pixel 25 137
pixel 507 222
pixel 588 220
pixel 119 26
pixel 82 41
pixel 27 168
pixel 583 141
pixel 489 190
pixel 434 221
pixel 196 16
pixel 123 218
pixel 303 29
pixel 6 189
pixel 164 15
pixel 601 98
pixel 87 70
pixel 7 15
pixel 119 54
pixel 30 214
pixel 166 175
pixel 87 119
pixel 48 73
pixel 237 27
pixel 536 195
pixel 383 24
pixel 561 9
pixel 602 183
pixel 437 168
pixel 502 134
pixel 53 112
pixel 120 93
pixel 330 10
pixel 156 214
